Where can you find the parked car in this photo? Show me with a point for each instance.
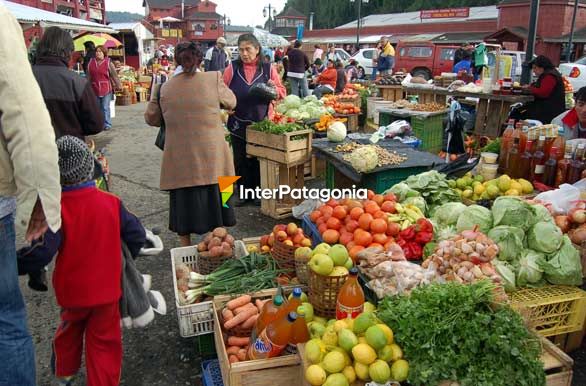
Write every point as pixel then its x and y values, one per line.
pixel 364 59
pixel 344 55
pixel 575 72
pixel 424 59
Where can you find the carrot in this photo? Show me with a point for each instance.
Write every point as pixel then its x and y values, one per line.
pixel 233 359
pixel 249 323
pixel 241 354
pixel 227 314
pixel 243 308
pixel 233 350
pixel 239 301
pixel 259 304
pixel 236 341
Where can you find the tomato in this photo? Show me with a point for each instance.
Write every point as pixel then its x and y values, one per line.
pixel 352 225
pixel 355 213
pixel 380 214
pixel 345 238
pixel 350 244
pixel 388 244
pixel 353 204
pixel 380 238
pixel 393 229
pixel 322 228
pixel 331 236
pixel 331 202
pixel 365 220
pixel 369 194
pixel 371 207
pixel 320 220
pixel 334 223
pixel 375 245
pixel 388 206
pixel 315 215
pixel 339 212
pixel 378 198
pixel 325 209
pixel 362 238
pixel 378 225
pixel 354 251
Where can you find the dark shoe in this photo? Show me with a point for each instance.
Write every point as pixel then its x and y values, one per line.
pixel 38 281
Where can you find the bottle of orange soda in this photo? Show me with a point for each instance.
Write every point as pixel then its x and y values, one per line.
pixel 350 302
pixel 273 339
pixel 295 301
pixel 299 333
pixel 273 309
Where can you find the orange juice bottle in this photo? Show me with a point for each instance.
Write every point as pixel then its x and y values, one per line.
pixel 506 144
pixel 271 310
pixel 295 301
pixel 299 333
pixel 273 339
pixel 350 298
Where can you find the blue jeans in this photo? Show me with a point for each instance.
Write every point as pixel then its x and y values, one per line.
pixel 17 356
pixel 299 86
pixel 104 103
pixel 374 71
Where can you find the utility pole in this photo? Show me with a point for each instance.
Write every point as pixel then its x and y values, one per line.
pixel 534 13
pixel 358 21
pixel 570 40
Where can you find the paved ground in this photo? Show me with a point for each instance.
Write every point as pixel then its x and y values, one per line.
pixel 157 355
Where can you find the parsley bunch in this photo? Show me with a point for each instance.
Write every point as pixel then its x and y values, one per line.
pixel 454 332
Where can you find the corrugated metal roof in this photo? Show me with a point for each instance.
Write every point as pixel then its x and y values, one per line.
pixel 461 37
pixel 420 38
pixel 369 39
pixel 25 14
pixel 405 18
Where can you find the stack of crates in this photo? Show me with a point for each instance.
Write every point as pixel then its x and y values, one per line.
pixel 429 128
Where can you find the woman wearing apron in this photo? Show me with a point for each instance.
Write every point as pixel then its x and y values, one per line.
pixel 240 77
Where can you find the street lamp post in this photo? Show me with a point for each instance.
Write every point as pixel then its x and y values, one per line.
pixel 570 41
pixel 272 12
pixel 358 21
pixel 225 21
pixel 530 49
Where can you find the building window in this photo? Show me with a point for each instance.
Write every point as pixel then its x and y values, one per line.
pixel 198 27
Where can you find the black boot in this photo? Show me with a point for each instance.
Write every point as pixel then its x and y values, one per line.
pixel 38 281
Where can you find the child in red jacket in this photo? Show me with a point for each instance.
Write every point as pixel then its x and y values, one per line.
pixel 88 269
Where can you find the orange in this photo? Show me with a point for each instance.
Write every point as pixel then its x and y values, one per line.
pixel 354 251
pixel 355 213
pixel 339 212
pixel 331 236
pixel 378 225
pixel 334 223
pixel 380 238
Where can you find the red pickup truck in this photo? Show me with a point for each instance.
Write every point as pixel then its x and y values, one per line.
pixel 424 58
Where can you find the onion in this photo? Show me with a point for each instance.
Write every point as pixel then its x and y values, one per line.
pixel 578 235
pixel 563 222
pixel 578 215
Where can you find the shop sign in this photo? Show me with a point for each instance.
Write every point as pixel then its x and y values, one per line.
pixel 444 13
pixel 95 14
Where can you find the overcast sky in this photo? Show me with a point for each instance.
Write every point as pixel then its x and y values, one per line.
pixel 240 12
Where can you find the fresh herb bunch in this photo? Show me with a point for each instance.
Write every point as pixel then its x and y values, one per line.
pixel 455 332
pixel 267 126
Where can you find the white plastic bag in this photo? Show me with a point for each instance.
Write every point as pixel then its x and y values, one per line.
pixel 562 199
pixel 305 208
pixel 392 130
pixel 113 106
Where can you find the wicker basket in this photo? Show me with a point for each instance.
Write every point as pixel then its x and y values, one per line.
pixel 208 264
pixel 301 271
pixel 284 255
pixel 323 293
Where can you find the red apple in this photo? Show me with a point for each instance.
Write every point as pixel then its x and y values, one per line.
pixel 279 227
pixel 281 235
pixel 306 242
pixel 291 229
pixel 264 240
pixel 271 241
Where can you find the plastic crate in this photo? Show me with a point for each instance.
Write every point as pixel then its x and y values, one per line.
pixel 429 129
pixel 206 347
pixel 310 230
pixel 552 310
pixel 195 319
pixel 377 182
pixel 211 373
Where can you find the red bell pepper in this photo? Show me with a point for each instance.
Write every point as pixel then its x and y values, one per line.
pixel 424 225
pixel 408 233
pixel 423 237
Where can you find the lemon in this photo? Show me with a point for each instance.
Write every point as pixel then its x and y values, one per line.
pixel 379 372
pixel 315 375
pixel 350 323
pixel 369 307
pixel 363 353
pixel 314 350
pixel 461 183
pixel 362 340
pixel 376 337
pixel 512 192
pixel 349 373
pixel 397 352
pixel 452 184
pixel 475 197
pixel 492 191
pixel 504 183
pixel 340 325
pixel 527 187
pixel 517 186
pixel 479 189
pixel 385 353
pixel 479 178
pixel 334 362
pixel 467 193
pixel 336 380
pixel 388 332
pixel 330 337
pixel 361 371
pixel 400 370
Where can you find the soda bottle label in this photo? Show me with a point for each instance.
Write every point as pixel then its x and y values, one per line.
pixel 539 169
pixel 263 347
pixel 343 312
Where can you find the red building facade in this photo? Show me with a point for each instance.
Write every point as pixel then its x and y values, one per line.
pixel 92 10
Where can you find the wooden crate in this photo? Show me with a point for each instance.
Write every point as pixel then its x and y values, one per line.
pixel 557 365
pixel 280 148
pixel 351 121
pixel 273 174
pixel 280 371
pixel 391 93
pixel 314 168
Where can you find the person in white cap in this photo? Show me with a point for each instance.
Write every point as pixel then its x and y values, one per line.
pixel 216 58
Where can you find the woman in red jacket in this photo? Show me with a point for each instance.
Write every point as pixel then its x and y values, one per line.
pixel 104 79
pixel 326 81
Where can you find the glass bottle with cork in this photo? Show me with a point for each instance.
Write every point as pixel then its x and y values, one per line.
pixel 513 159
pixel 525 161
pixel 538 161
pixel 576 166
pixel 563 167
pixel 549 173
pixel 506 143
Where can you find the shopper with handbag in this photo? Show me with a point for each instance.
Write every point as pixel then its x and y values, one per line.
pixel 195 151
pixel 104 80
pixel 256 85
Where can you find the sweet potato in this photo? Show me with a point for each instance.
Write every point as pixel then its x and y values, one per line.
pixel 227 314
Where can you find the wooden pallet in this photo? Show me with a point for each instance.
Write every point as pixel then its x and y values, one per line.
pixel 273 174
pixel 391 93
pixel 290 148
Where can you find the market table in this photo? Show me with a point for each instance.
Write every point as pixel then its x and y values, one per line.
pixel 427 126
pixel 340 174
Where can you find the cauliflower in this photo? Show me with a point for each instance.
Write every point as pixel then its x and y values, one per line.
pixel 363 159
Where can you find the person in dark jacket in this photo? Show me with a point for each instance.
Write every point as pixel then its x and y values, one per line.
pixel 342 79
pixel 216 58
pixel 548 91
pixel 90 53
pixel 298 64
pixel 69 97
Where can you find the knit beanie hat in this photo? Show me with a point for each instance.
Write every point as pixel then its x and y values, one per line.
pixel 76 161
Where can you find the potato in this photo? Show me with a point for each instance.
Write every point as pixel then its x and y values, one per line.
pixel 229 239
pixel 214 242
pixel 208 237
pixel 216 251
pixel 202 247
pixel 220 232
pixel 227 250
pixel 205 254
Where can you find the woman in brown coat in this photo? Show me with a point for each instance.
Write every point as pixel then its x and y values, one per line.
pixel 195 152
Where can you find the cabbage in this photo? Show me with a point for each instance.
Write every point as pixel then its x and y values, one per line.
pixel 513 211
pixel 295 114
pixel 310 99
pixel 445 232
pixel 544 237
pixel 541 213
pixel 402 191
pixel 530 271
pixel 448 213
pixel 506 272
pixel 304 115
pixel 292 101
pixel 475 215
pixel 509 239
pixel 417 201
pixel 281 108
pixel 564 267
pixel 337 132
pixel 363 159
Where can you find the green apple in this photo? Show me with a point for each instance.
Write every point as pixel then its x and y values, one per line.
pixel 320 320
pixel 316 330
pixel 308 311
pixel 339 254
pixel 321 264
pixel 349 264
pixel 322 248
pixel 303 253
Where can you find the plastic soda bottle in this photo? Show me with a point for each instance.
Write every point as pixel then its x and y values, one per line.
pixel 271 310
pixel 273 339
pixel 350 302
pixel 295 301
pixel 299 333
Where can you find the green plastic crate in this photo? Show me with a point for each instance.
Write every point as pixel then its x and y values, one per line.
pixel 206 346
pixel 430 129
pixel 377 182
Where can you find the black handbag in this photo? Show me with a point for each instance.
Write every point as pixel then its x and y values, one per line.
pixel 264 92
pixel 160 141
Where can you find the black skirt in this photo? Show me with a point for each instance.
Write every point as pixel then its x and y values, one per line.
pixel 199 210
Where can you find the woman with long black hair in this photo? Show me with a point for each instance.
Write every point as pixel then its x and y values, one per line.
pixel 248 71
